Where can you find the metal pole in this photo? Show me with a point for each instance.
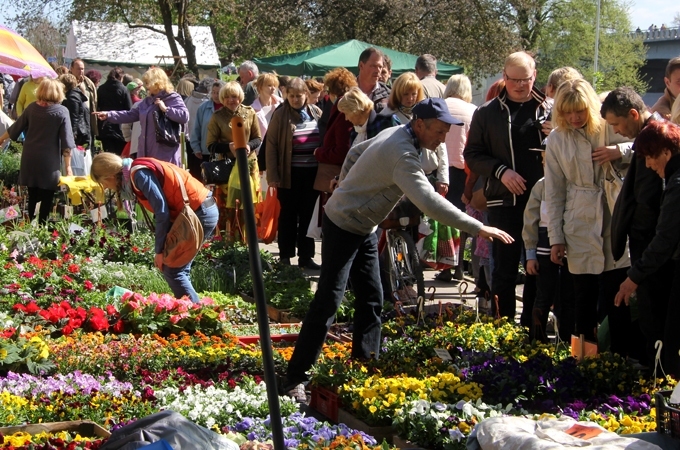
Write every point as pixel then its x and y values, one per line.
pixel 597 44
pixel 238 133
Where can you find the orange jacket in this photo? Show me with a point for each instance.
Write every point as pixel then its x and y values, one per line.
pixel 165 174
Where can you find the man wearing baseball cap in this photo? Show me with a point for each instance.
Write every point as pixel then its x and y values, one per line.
pixel 375 175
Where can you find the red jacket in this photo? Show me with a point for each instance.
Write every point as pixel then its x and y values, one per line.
pixel 336 141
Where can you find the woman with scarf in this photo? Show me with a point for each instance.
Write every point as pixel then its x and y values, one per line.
pixel 292 137
pixel 161 97
pixel 220 142
pixel 156 186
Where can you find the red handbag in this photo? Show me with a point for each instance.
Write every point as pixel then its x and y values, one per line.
pixel 267 216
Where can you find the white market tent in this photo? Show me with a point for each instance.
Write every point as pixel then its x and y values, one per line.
pixel 105 45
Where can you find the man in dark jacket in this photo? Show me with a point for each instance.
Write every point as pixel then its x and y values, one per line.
pixel 636 213
pixel 501 147
pixel 113 96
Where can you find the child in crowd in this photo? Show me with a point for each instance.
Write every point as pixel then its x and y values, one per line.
pixel 554 281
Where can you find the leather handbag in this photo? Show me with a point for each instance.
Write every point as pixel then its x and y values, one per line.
pixel 185 237
pixel 324 174
pixel 217 172
pixel 167 130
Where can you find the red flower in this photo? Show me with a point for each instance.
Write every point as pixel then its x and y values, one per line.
pixel 111 310
pixel 118 327
pixel 26 275
pixel 99 323
pixel 73 268
pixel 55 234
pixel 88 285
pixel 19 307
pixel 32 308
pixel 67 278
pixel 135 249
pixel 68 329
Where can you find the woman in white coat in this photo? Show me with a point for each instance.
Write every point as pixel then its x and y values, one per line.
pixel 582 158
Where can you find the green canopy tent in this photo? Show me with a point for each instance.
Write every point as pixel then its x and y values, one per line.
pixel 316 62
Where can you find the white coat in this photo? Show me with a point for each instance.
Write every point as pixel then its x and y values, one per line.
pixel 577 209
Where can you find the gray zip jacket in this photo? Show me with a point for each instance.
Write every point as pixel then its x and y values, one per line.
pixel 376 174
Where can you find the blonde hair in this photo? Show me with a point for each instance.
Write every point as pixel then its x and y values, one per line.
pixel 157 78
pixel 520 59
pixel 68 80
pixel 51 91
pixel 459 86
pixel 185 87
pixel 577 95
pixel 266 78
pixel 559 76
pixel 106 165
pixel 354 101
pixel 231 88
pixel 406 82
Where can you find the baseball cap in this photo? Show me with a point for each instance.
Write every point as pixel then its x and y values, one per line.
pixel 131 86
pixel 434 108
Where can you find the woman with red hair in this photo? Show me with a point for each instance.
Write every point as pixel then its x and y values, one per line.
pixel 659 144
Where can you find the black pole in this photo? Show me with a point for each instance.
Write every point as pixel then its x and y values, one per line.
pixel 238 133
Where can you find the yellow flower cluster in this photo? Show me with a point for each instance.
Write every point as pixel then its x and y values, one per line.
pixel 626 424
pixel 20 438
pixel 378 394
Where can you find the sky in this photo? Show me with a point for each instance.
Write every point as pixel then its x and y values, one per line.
pixel 644 13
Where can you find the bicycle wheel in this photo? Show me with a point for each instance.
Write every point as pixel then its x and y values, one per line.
pixel 406 273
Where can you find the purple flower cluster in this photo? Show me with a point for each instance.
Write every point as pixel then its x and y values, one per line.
pixel 73 383
pixel 297 428
pixel 612 404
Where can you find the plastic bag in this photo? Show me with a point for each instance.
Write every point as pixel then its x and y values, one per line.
pixel 267 216
pixel 314 228
pixel 175 429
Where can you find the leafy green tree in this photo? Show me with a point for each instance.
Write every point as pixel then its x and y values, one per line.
pixel 568 39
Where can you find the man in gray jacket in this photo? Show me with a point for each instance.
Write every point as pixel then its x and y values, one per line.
pixel 375 175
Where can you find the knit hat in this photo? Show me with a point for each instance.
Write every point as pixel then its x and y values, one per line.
pixel 131 86
pixel 205 85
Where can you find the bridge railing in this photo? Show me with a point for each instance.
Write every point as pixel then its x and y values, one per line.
pixel 658 34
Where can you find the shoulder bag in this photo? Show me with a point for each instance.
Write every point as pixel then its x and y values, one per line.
pixel 185 237
pixel 167 130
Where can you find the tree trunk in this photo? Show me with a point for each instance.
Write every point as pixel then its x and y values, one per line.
pixel 166 13
pixel 184 36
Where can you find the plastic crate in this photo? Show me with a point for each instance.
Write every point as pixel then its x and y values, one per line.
pixel 325 401
pixel 667 417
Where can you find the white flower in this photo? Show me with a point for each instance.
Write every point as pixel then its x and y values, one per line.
pixel 456 434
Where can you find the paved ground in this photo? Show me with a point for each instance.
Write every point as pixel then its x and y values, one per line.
pixel 444 292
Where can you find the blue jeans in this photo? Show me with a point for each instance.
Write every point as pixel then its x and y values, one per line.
pixel 345 256
pixel 178 277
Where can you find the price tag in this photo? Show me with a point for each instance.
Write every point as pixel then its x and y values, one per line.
pixel 443 354
pixel 583 432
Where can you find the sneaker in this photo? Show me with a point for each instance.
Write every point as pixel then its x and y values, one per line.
pixel 309 265
pixel 298 393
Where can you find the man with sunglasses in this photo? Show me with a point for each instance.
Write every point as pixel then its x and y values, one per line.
pixel 502 145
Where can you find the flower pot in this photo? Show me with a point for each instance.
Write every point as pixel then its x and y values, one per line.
pixel 379 433
pixel 85 428
pixel 325 401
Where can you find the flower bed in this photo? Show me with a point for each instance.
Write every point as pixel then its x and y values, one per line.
pixel 74 346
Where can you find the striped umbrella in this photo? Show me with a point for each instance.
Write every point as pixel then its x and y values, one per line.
pixel 19 57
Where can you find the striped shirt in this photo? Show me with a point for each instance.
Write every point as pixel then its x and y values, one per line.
pixel 305 140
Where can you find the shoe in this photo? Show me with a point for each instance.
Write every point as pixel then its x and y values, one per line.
pixel 284 261
pixel 458 274
pixel 309 265
pixel 446 276
pixel 298 393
